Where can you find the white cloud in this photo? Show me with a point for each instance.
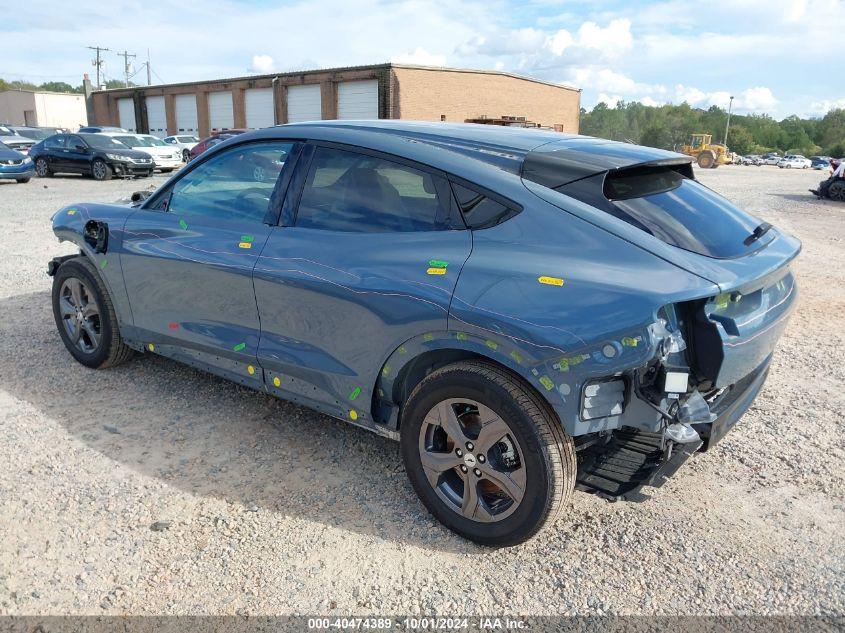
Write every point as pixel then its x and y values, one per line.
pixel 262 64
pixel 610 100
pixel 826 105
pixel 757 99
pixel 609 41
pixel 421 57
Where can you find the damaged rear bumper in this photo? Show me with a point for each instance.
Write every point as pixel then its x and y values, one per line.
pixel 631 459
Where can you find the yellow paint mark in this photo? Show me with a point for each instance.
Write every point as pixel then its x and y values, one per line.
pixel 402 349
pixel 245 245
pixel 250 369
pixel 353 414
pixel 151 347
pixel 550 281
pixel 428 336
pixel 516 356
pixel 629 341
pixel 276 381
pixel 71 212
pixel 461 336
pixel 722 301
pixel 491 344
pixel 547 383
pixel 386 371
pixel 436 271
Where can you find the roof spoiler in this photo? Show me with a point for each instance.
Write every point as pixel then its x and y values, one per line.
pixel 557 164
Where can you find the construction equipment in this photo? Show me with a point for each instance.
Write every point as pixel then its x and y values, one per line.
pixel 708 155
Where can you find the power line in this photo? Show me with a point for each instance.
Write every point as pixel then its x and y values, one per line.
pixel 98 62
pixel 126 55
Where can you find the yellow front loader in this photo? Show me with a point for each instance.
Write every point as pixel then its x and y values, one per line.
pixel 708 155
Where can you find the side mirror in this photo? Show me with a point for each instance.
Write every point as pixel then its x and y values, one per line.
pixel 80 148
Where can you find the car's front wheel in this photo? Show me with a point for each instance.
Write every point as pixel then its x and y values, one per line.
pixel 85 316
pixel 42 168
pixel 486 454
pixel 23 180
pixel 186 156
pixel 100 170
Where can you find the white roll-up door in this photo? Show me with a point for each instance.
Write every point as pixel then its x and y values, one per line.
pixel 186 114
pixel 220 113
pixel 304 103
pixel 259 107
pixel 357 100
pixel 126 114
pixel 156 116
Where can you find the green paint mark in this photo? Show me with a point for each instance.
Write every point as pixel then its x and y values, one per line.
pixel 386 371
pixel 461 336
pixel 183 224
pixel 104 263
pixel 239 347
pixel 437 263
pixel 722 301
pixel 402 349
pixel 547 383
pixel 629 341
pixel 516 356
pixel 491 344
pixel 428 337
pixel 247 238
pixel 380 392
pixel 355 393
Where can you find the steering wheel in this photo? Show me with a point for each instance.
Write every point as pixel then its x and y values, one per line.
pixel 254 198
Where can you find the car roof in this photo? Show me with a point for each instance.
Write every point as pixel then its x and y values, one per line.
pixel 448 145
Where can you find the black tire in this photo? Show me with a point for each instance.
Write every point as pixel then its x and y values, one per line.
pixel 110 350
pixel 837 191
pixel 706 160
pixel 23 180
pixel 100 170
pixel 186 156
pixel 546 452
pixel 42 168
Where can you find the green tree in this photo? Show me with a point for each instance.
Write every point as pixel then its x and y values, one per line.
pixel 740 140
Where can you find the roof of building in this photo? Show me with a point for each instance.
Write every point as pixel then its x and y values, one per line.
pixel 44 92
pixel 384 66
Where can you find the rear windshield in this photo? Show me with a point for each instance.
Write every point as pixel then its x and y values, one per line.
pixel 673 208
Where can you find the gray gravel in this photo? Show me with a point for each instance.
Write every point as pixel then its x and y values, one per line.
pixel 155 489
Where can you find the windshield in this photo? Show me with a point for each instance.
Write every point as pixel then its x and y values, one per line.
pixel 4 131
pixel 98 141
pixel 132 141
pixel 187 139
pixel 38 135
pixel 155 142
pixel 4 146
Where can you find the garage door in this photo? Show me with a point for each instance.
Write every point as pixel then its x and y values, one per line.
pixel 156 116
pixel 220 114
pixel 126 114
pixel 260 109
pixel 357 100
pixel 186 114
pixel 304 103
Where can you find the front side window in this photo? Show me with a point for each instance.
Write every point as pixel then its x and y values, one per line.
pixel 234 186
pixel 352 192
pixel 55 142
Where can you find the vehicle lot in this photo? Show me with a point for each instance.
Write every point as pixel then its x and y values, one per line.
pixel 275 509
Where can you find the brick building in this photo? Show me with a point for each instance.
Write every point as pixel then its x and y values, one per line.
pixel 385 91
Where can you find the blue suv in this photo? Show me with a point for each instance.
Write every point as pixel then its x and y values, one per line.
pixel 525 311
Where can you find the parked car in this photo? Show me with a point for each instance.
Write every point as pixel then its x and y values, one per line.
pixel 14 165
pixel 794 161
pixel 99 129
pixel 818 162
pixel 15 141
pixel 96 155
pixel 402 277
pixel 34 133
pixel 165 157
pixel 185 142
pixel 752 159
pixel 211 141
pixel 771 159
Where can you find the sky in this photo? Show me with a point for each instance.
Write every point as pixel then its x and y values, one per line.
pixel 778 57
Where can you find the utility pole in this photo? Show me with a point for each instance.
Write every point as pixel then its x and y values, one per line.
pixel 126 55
pixel 97 62
pixel 728 124
pixel 149 75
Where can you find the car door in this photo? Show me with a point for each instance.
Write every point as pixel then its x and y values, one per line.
pixel 76 156
pixel 188 258
pixel 54 148
pixel 369 262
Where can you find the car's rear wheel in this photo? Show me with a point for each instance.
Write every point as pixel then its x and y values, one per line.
pixel 23 180
pixel 42 168
pixel 706 160
pixel 485 453
pixel 186 156
pixel 100 170
pixel 85 316
pixel 837 191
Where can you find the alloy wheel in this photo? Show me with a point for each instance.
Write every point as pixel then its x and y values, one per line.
pixel 259 173
pixel 472 460
pixel 80 315
pixel 41 167
pixel 99 170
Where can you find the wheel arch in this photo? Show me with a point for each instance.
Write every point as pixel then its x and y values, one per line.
pixel 412 361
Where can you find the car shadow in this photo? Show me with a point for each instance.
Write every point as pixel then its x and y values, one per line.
pixel 210 437
pixel 805 198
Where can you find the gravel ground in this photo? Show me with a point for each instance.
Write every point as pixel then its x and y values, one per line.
pixel 154 489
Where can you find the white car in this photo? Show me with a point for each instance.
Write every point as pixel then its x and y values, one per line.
pixel 165 157
pixel 185 142
pixel 771 160
pixel 794 161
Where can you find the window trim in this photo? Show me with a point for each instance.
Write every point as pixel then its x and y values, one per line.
pixel 153 203
pixel 291 211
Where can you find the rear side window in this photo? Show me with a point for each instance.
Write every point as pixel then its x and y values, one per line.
pixel 352 192
pixel 55 142
pixel 480 211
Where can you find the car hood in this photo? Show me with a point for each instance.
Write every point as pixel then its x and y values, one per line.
pixel 10 154
pixel 128 153
pixel 160 152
